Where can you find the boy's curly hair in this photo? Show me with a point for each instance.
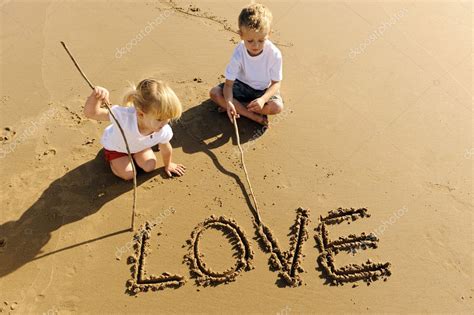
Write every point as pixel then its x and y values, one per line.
pixel 256 17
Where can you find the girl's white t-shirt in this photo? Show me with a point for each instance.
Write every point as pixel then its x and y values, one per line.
pixel 112 139
pixel 256 71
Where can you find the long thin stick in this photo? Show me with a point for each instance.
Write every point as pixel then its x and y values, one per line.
pixel 236 127
pixel 107 105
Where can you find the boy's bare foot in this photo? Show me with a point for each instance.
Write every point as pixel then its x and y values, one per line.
pixel 264 121
pixel 258 118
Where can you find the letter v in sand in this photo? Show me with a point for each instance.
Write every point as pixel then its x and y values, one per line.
pixel 289 262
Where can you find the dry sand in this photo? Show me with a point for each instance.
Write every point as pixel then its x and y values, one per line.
pixel 378 116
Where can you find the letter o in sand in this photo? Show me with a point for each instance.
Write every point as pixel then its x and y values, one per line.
pixel 244 254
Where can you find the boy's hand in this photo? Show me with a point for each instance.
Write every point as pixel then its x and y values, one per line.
pixel 256 105
pixel 231 112
pixel 101 93
pixel 178 169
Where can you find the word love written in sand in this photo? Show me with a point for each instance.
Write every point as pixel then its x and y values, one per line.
pixel 287 263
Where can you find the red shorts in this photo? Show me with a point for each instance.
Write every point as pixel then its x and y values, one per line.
pixel 112 155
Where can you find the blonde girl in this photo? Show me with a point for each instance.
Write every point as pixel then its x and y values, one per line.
pixel 149 108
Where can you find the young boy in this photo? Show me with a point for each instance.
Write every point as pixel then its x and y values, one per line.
pixel 254 73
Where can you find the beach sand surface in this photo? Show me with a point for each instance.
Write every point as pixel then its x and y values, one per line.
pixel 378 114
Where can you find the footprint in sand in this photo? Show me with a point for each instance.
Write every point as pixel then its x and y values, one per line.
pixel 7 134
pixel 45 154
pixel 4 100
pixel 8 306
pixel 74 116
pixel 89 142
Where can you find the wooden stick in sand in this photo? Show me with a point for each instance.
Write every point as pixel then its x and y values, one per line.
pixel 107 105
pixel 236 127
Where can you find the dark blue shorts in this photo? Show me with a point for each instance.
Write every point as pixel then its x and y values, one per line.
pixel 245 93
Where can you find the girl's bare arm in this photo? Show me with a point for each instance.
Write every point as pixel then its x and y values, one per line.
pixel 92 107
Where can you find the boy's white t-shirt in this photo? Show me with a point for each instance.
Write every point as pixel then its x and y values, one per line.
pixel 256 71
pixel 112 139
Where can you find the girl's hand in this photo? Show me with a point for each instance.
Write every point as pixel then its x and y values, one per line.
pixel 178 169
pixel 101 94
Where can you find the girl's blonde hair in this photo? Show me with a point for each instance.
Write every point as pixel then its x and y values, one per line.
pixel 154 97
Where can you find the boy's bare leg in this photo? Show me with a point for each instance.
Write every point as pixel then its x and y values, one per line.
pixel 217 96
pixel 270 108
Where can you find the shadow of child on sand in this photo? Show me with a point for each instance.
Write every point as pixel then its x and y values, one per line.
pixel 202 128
pixel 77 194
pixel 68 199
pixel 203 122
